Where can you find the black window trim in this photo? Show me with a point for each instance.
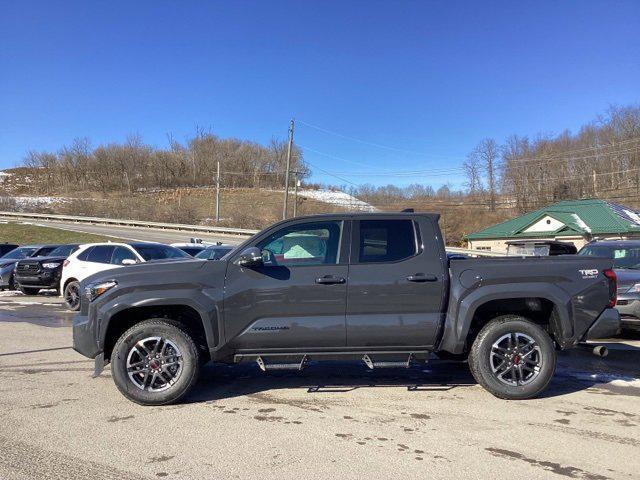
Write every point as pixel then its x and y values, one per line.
pixel 344 252
pixel 355 242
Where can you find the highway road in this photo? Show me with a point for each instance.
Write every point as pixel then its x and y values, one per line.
pixel 140 233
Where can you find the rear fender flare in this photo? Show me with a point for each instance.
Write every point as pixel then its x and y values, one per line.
pixel 460 315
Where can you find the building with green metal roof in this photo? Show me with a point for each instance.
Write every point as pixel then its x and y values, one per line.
pixel 573 221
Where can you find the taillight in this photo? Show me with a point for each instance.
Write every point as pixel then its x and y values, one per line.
pixel 613 286
pixel 65 263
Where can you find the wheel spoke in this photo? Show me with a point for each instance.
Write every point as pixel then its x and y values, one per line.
pixel 148 362
pixel 515 358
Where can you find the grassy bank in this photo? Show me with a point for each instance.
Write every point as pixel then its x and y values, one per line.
pixel 23 234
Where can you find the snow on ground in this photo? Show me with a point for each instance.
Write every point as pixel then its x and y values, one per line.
pixel 38 201
pixel 337 197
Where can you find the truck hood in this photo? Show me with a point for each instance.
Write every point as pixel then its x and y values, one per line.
pixel 42 259
pixel 157 272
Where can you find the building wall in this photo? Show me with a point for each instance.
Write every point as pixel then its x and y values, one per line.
pixel 500 246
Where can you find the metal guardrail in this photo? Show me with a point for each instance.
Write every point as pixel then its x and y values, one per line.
pixel 187 228
pixel 129 223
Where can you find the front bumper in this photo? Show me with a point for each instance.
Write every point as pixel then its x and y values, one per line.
pixel 606 325
pixel 84 341
pixel 45 279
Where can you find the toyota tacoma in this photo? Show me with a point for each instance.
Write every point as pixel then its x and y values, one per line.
pixel 373 287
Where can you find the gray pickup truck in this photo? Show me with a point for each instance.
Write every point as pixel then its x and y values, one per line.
pixel 378 288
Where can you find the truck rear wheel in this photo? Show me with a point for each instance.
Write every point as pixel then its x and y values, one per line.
pixel 155 362
pixel 513 358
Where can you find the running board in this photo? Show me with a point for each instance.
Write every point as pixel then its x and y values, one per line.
pixel 281 366
pixel 373 365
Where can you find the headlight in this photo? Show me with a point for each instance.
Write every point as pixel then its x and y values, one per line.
pixel 51 265
pixel 5 265
pixel 634 288
pixel 95 289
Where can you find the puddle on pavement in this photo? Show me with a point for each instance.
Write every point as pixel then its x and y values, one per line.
pixel 46 313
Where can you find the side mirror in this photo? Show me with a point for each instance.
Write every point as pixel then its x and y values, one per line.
pixel 128 261
pixel 250 258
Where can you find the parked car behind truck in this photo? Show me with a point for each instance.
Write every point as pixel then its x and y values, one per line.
pixel 371 287
pixel 626 263
pixel 39 273
pixel 92 258
pixel 8 262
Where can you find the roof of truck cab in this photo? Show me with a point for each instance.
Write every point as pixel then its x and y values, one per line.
pixel 365 215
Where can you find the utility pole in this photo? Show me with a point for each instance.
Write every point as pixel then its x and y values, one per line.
pixel 295 197
pixel 286 175
pixel 218 193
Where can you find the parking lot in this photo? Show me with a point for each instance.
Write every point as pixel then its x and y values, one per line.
pixel 329 421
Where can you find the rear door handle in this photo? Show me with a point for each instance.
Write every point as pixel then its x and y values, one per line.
pixel 329 280
pixel 422 277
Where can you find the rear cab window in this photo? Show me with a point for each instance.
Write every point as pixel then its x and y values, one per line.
pixel 382 241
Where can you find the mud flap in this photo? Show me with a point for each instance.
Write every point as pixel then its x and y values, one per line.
pixel 99 366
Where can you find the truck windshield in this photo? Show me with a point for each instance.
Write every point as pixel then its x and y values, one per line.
pixel 623 257
pixel 63 251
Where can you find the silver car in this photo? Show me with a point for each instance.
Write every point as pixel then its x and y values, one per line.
pixel 626 264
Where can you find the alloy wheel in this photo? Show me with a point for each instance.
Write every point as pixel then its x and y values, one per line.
pixel 516 359
pixel 154 364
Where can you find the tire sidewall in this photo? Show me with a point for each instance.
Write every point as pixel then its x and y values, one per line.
pixel 152 328
pixel 481 350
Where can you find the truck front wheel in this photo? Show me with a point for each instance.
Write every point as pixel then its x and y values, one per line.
pixel 513 358
pixel 155 362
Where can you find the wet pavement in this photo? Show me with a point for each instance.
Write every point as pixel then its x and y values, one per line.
pixel 332 420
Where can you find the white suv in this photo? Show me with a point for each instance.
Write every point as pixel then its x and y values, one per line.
pixel 97 257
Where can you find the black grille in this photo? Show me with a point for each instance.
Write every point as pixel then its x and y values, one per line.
pixel 28 268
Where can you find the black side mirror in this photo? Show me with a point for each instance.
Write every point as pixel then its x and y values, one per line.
pixel 250 258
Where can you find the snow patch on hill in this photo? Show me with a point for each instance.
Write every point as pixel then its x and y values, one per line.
pixel 337 197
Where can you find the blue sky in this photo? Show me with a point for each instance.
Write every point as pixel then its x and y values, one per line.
pixel 426 80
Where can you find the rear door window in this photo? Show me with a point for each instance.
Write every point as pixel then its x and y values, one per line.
pixel 100 254
pixel 386 241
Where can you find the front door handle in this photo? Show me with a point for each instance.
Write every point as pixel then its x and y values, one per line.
pixel 329 280
pixel 422 277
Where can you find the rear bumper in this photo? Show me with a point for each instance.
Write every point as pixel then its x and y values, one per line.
pixel 606 325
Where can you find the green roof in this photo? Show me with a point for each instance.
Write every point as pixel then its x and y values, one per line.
pixel 579 217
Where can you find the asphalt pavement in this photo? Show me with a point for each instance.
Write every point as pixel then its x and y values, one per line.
pixel 332 420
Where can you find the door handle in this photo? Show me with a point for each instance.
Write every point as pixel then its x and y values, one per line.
pixel 329 280
pixel 422 277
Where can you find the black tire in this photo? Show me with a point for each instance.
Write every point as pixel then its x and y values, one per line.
pixel 28 290
pixel 72 296
pixel 128 349
pixel 486 355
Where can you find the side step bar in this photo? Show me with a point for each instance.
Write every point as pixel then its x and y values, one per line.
pixel 281 366
pixel 373 365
